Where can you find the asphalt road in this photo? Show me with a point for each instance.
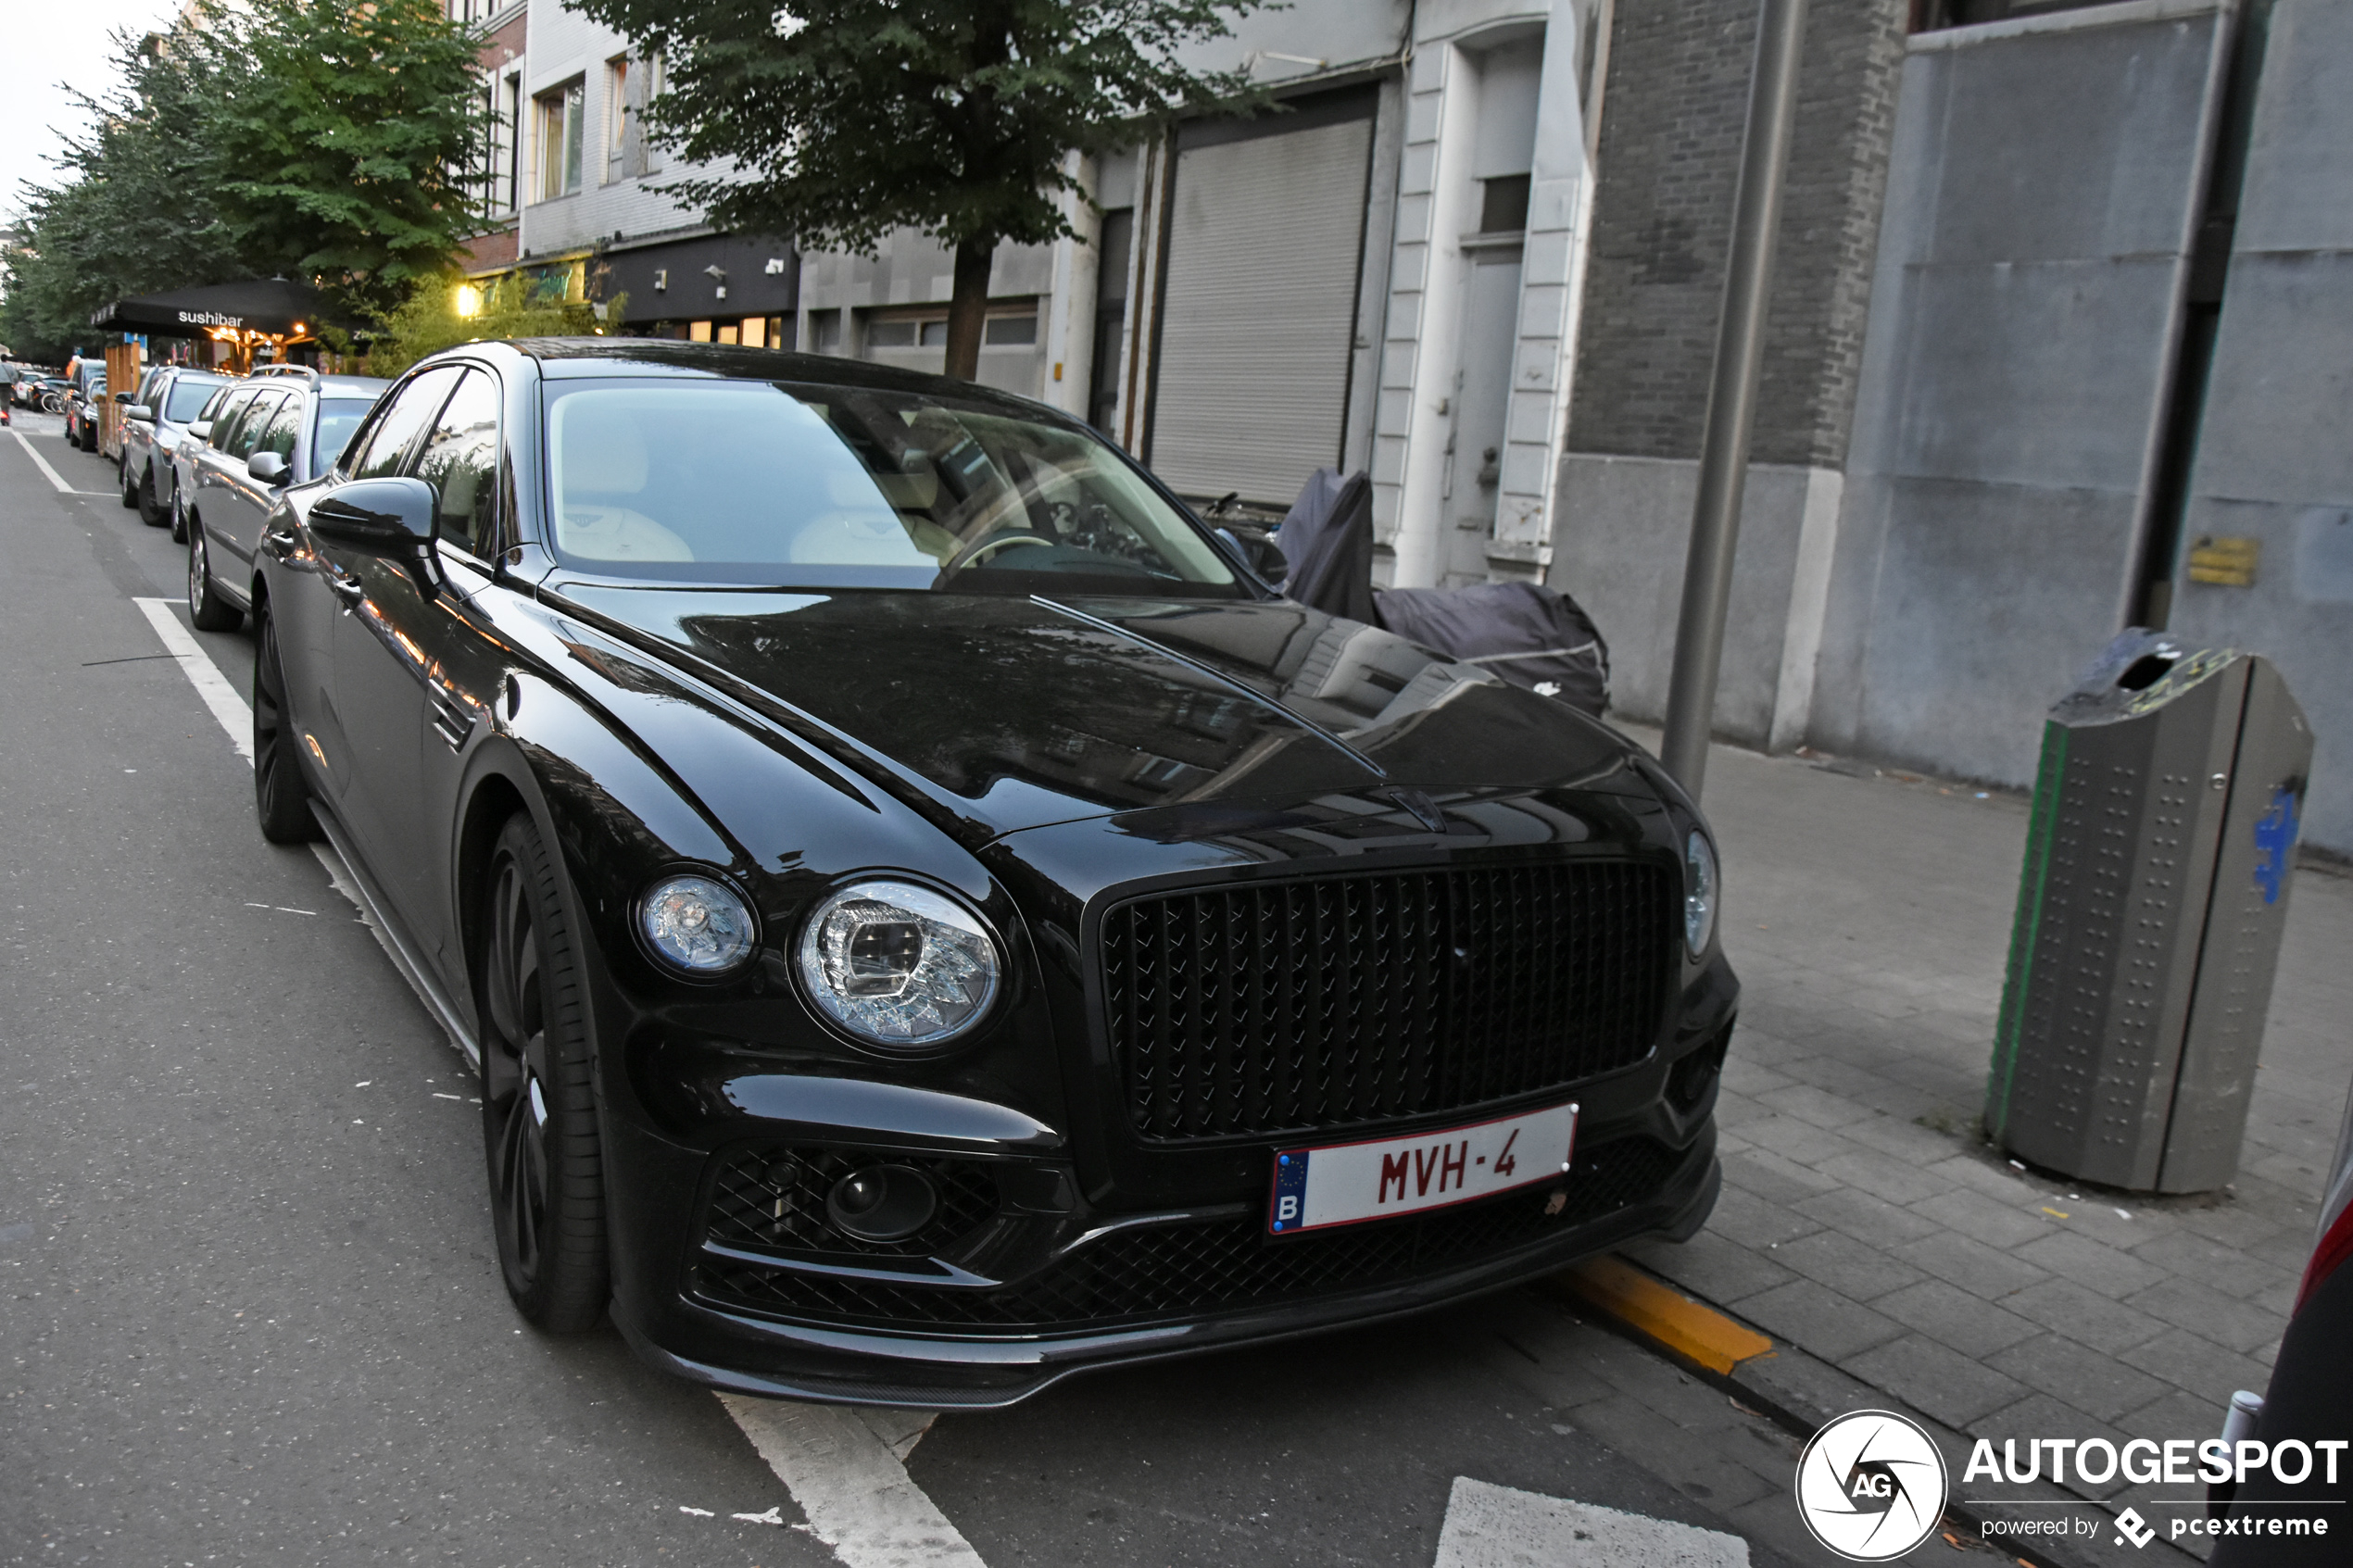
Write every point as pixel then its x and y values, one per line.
pixel 249 1312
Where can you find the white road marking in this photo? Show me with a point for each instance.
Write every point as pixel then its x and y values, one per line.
pixel 43 463
pixel 848 1478
pixel 1490 1526
pixel 195 663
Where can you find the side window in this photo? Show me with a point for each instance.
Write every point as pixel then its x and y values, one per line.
pixel 460 461
pixel 411 411
pixel 284 430
pixel 250 425
pixel 224 419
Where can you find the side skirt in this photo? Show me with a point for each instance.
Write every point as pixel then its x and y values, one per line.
pixel 397 941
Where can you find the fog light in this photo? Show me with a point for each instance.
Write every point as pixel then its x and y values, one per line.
pixel 882 1202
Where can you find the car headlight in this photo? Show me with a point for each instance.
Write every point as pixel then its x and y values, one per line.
pixel 1699 893
pixel 698 925
pixel 898 965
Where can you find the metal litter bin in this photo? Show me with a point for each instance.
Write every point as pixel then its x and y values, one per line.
pixel 2149 917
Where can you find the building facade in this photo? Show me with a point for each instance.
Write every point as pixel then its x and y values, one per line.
pixel 574 194
pixel 1383 273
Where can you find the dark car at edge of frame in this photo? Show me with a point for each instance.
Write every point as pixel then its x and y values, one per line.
pixel 916 898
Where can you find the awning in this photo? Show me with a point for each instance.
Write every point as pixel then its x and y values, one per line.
pixel 278 306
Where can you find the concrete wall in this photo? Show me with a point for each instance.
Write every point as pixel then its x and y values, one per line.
pixel 2044 184
pixel 2274 462
pixel 1620 517
pixel 1672 116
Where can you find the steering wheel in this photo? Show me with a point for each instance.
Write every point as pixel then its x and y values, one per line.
pixel 971 555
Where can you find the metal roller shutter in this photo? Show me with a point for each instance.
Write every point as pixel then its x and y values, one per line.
pixel 1258 310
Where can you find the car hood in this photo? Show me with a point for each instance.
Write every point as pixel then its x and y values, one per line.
pixel 1016 712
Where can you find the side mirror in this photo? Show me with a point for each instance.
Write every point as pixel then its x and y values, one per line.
pixel 200 430
pixel 140 412
pixel 122 398
pixel 266 467
pixel 382 517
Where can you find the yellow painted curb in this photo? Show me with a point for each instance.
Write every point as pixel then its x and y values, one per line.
pixel 1700 1335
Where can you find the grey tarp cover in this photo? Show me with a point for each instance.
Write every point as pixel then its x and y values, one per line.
pixel 1328 538
pixel 1530 635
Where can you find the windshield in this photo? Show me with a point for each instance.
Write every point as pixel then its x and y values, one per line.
pixel 338 416
pixel 186 400
pixel 745 482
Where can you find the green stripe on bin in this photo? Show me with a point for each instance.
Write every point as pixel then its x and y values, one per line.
pixel 2049 779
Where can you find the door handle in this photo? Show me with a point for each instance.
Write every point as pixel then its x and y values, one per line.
pixel 345 586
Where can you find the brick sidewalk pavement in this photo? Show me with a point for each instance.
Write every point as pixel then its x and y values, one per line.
pixel 1865 1218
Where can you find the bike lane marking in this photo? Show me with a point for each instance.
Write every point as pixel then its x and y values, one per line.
pixel 852 1483
pixel 47 473
pixel 1490 1526
pixel 206 676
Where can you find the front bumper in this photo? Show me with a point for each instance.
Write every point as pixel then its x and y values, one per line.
pixel 1142 1289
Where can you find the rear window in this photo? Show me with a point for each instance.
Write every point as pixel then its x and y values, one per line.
pixel 338 416
pixel 186 400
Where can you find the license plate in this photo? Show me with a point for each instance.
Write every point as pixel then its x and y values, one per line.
pixel 1349 1182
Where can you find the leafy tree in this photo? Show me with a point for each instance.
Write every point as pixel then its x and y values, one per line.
pixel 338 156
pixel 136 212
pixel 839 121
pixel 306 138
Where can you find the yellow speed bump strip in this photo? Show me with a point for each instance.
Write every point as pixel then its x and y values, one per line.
pixel 1700 1335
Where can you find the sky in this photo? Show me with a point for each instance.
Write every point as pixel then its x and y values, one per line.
pixel 45 42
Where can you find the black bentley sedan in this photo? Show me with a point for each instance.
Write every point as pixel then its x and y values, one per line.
pixel 928 918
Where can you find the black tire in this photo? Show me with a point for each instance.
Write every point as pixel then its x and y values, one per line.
pixel 128 486
pixel 280 792
pixel 179 517
pixel 151 511
pixel 546 1179
pixel 206 606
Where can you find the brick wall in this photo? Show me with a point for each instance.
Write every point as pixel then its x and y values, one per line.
pixel 1669 159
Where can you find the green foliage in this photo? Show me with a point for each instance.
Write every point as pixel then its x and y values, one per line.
pixel 335 157
pixel 302 138
pixel 136 212
pixel 510 306
pixel 839 121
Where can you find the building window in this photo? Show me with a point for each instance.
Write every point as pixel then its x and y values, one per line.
pixel 502 115
pixel 927 331
pixel 559 139
pixel 699 332
pixel 617 117
pixel 1502 205
pixel 824 331
pixel 648 89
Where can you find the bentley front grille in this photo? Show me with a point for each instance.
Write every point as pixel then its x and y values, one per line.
pixel 1281 1007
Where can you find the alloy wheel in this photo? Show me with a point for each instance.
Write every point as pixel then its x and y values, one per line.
pixel 514 1074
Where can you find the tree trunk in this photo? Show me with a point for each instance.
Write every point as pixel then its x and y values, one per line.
pixel 968 307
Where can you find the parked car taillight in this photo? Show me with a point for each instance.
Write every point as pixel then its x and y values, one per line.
pixel 2336 1215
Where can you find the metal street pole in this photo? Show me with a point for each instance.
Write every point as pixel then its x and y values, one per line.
pixel 1732 396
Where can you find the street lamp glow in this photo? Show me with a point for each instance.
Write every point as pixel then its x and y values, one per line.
pixel 468 300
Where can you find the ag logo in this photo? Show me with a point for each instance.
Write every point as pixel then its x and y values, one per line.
pixel 1871 1486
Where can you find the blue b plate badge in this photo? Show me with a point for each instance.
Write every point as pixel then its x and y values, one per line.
pixel 1349 1182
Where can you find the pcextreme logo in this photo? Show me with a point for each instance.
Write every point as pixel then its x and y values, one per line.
pixel 1871 1486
